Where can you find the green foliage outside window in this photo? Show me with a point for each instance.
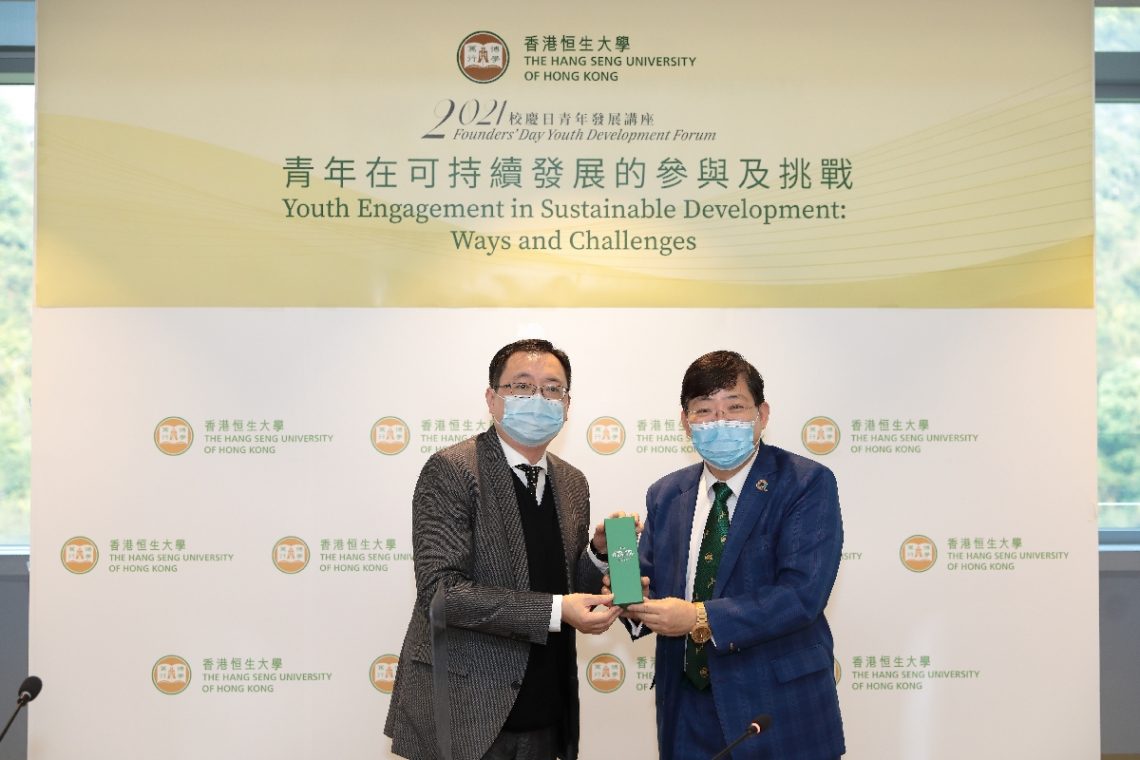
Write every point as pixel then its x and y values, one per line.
pixel 1118 285
pixel 1118 313
pixel 1116 29
pixel 16 172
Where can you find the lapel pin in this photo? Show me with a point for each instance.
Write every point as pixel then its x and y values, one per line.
pixel 762 485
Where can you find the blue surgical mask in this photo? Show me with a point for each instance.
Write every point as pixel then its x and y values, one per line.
pixel 532 420
pixel 724 444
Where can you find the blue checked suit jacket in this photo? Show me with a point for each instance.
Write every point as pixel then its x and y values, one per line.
pixel 773 647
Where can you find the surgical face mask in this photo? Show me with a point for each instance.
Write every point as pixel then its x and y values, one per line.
pixel 724 444
pixel 532 420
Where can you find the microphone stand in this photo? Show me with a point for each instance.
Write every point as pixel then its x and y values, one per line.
pixel 727 750
pixel 758 725
pixel 23 700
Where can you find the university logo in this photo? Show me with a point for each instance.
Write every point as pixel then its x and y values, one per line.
pixel 391 435
pixel 918 554
pixel 171 674
pixel 173 436
pixel 820 435
pixel 79 555
pixel 383 672
pixel 483 57
pixel 836 671
pixel 290 555
pixel 605 435
pixel 606 673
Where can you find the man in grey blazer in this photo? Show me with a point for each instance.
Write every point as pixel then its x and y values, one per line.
pixel 500 529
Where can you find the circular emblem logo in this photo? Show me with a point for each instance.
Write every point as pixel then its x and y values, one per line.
pixel 383 672
pixel 290 555
pixel 483 57
pixel 837 671
pixel 605 435
pixel 171 674
pixel 606 673
pixel 390 435
pixel 79 555
pixel 173 436
pixel 820 435
pixel 918 554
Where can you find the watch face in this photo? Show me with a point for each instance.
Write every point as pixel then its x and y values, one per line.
pixel 701 635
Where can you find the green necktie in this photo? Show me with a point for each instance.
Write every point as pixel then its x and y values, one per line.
pixel 712 546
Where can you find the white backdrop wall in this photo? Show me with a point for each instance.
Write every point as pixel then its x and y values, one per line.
pixel 972 640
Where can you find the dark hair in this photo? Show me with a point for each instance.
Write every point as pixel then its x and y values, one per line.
pixel 525 346
pixel 717 371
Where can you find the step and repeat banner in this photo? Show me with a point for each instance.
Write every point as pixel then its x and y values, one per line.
pixel 278 246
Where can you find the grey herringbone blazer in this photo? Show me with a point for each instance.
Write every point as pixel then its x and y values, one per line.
pixel 467 536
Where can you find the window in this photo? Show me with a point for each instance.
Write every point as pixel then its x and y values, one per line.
pixel 1117 41
pixel 16 257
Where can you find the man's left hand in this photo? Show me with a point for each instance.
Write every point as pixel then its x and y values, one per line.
pixel 625 613
pixel 599 539
pixel 666 617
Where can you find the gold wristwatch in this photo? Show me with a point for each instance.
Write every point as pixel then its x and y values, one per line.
pixel 701 632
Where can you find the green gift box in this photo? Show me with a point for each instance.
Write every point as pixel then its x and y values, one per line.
pixel 625 569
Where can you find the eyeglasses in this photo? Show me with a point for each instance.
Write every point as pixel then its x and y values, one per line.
pixel 737 412
pixel 551 392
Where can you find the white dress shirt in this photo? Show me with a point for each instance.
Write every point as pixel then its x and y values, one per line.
pixel 515 458
pixel 705 498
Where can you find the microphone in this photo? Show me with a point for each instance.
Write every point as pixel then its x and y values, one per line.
pixel 758 725
pixel 29 690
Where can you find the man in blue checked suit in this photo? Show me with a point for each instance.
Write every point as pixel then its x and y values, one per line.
pixel 740 553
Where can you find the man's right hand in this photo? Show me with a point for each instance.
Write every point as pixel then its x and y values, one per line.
pixel 589 613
